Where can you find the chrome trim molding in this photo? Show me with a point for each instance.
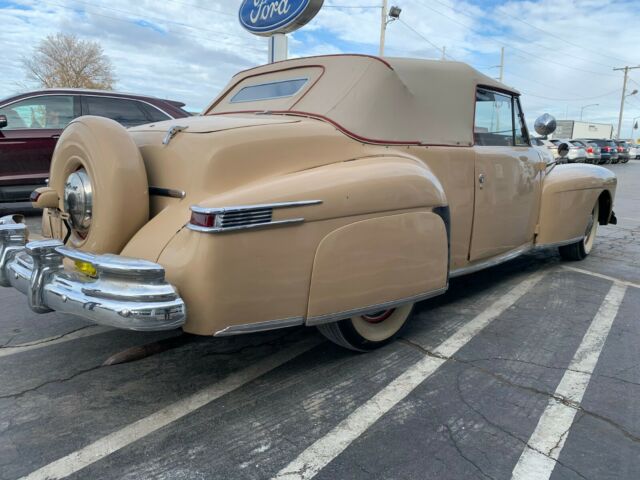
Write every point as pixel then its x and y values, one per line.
pixel 237 208
pixel 167 192
pixel 197 228
pixel 491 262
pixel 510 255
pixel 334 317
pixel 244 217
pixel 124 293
pixel 259 326
pixel 560 244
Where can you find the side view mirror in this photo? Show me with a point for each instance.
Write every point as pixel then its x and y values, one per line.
pixel 545 124
pixel 563 150
pixel 3 121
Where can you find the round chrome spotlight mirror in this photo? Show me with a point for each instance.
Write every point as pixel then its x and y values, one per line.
pixel 563 150
pixel 78 200
pixel 545 125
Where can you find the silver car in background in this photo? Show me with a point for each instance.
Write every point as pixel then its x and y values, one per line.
pixel 576 154
pixel 592 150
pixel 553 148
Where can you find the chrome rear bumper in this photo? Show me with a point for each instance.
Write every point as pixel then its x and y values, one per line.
pixel 124 293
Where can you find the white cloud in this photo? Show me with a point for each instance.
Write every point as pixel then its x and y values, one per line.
pixel 188 49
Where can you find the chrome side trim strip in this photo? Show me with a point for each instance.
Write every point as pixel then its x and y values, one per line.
pixel 259 326
pixel 491 262
pixel 334 317
pixel 239 208
pixel 560 244
pixel 166 192
pixel 197 228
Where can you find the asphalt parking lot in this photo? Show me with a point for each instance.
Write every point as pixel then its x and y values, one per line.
pixel 528 370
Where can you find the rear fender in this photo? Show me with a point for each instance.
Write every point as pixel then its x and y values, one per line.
pixel 569 193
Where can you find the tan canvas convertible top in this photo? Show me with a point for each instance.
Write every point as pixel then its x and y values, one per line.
pixel 380 100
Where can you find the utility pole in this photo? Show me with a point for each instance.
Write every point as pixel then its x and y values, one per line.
pixel 624 92
pixel 444 53
pixel 383 26
pixel 501 64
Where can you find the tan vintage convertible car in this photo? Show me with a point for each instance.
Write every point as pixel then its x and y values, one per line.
pixel 332 191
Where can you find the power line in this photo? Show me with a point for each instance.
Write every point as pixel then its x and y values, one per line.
pixel 203 8
pixel 517 36
pixel 156 19
pixel 512 47
pixel 558 37
pixel 131 23
pixel 514 74
pixel 439 49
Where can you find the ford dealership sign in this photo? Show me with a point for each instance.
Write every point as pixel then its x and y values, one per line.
pixel 266 17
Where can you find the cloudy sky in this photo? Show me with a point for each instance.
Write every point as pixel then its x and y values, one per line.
pixel 559 53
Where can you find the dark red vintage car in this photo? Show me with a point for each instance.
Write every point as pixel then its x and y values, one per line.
pixel 31 123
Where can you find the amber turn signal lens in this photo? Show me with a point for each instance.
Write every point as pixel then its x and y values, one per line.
pixel 86 268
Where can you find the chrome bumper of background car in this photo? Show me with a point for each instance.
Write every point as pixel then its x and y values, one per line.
pixel 123 292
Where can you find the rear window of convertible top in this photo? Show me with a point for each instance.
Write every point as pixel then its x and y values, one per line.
pixel 268 91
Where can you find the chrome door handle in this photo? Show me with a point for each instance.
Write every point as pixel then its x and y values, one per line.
pixel 481 179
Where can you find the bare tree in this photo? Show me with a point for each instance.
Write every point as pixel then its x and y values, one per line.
pixel 63 60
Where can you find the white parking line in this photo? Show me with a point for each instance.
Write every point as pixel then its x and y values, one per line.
pixel 54 340
pixel 601 275
pixel 113 442
pixel 324 450
pixel 543 449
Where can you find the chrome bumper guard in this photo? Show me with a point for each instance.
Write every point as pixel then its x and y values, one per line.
pixel 124 293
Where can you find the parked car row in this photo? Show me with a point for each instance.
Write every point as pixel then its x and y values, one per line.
pixel 591 150
pixel 31 123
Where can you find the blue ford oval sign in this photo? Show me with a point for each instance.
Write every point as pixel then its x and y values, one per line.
pixel 266 17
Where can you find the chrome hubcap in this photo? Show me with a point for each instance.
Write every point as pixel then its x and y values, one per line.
pixel 78 200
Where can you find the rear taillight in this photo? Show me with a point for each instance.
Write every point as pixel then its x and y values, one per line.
pixel 206 220
pixel 590 150
pixel 620 149
pixel 605 149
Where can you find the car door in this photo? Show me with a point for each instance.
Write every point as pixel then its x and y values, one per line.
pixel 34 125
pixel 508 173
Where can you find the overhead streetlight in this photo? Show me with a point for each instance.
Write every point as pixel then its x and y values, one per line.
pixel 394 13
pixel 587 106
pixel 387 17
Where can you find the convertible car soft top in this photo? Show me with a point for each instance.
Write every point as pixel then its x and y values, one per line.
pixel 357 92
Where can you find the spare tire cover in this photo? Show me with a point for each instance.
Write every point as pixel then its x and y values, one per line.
pixel 111 159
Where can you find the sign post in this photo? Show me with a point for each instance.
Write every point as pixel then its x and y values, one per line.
pixel 276 18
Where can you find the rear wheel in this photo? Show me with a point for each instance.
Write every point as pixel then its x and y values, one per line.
pixel 579 250
pixel 367 332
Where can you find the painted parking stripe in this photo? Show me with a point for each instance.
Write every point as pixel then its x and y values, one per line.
pixel 601 275
pixel 119 439
pixel 543 449
pixel 54 340
pixel 324 450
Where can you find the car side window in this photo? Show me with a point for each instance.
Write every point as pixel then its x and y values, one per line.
pixel 153 113
pixel 41 112
pixel 124 111
pixel 493 119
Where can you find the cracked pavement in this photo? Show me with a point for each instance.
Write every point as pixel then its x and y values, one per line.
pixel 472 418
